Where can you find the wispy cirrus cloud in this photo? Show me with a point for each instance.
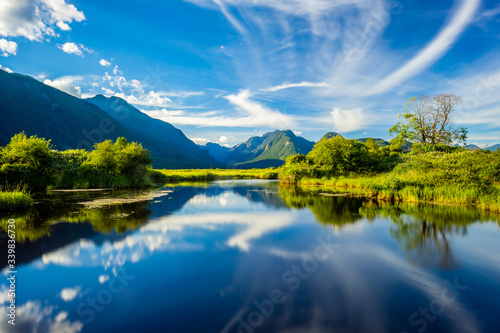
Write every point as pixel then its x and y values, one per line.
pixel 258 113
pixel 434 50
pixel 297 85
pixel 333 45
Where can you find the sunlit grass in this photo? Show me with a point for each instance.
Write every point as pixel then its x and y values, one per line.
pixel 214 174
pixel 412 188
pixel 11 200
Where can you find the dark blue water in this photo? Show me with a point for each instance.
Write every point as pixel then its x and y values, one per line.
pixel 248 256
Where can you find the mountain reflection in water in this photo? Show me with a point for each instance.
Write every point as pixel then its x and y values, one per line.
pixel 204 257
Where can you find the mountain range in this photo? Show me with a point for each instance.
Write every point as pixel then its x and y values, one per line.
pixel 73 123
pixel 269 150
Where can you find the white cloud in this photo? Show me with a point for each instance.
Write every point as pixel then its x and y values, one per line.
pixel 136 84
pixel 165 112
pixel 103 278
pixel 66 84
pixel 345 121
pixel 72 48
pixel 230 17
pixel 33 317
pixel 116 71
pixel 7 47
pixel 69 294
pixel 489 13
pixel 258 113
pixel 200 141
pixel 209 118
pixel 104 63
pixel 36 19
pixel 152 98
pixel 108 92
pixel 7 69
pixel 297 85
pixel 434 50
pixel 184 94
pixel 297 132
pixel 223 139
pixel 63 26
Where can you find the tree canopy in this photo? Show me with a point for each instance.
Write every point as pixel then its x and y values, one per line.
pixel 430 120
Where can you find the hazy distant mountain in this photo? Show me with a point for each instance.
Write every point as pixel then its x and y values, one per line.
pixel 271 149
pixel 379 142
pixel 31 106
pixel 471 146
pixel 493 147
pixel 217 152
pixel 330 135
pixel 169 141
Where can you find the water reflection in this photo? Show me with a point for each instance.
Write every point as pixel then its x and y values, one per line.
pixel 213 252
pixel 426 232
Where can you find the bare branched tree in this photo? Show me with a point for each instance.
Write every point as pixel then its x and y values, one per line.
pixel 430 120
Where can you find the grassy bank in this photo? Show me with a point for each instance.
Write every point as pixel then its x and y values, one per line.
pixel 387 188
pixel 430 174
pixel 33 163
pixel 165 176
pixel 12 200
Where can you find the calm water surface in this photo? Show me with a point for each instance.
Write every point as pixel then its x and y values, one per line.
pixel 249 256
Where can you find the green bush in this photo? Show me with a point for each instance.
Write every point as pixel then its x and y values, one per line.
pixel 14 200
pixel 33 163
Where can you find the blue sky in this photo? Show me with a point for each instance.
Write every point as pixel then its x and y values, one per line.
pixel 225 70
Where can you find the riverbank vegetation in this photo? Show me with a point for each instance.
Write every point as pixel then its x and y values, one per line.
pixel 33 164
pixel 434 170
pixel 168 176
pixel 14 199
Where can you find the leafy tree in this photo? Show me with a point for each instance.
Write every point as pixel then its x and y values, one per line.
pixel 338 156
pixel 429 121
pixel 295 168
pixel 33 151
pixel 371 144
pixel 103 156
pixel 120 157
pixel 131 158
pixel 31 162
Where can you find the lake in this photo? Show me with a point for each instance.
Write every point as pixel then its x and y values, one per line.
pixel 251 256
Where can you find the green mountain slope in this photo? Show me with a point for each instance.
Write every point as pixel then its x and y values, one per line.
pixel 170 141
pixel 271 149
pixel 31 106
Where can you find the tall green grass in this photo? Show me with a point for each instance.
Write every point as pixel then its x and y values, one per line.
pixel 12 200
pixel 166 176
pixel 389 188
pixel 458 178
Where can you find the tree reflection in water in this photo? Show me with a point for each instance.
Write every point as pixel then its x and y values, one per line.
pixel 425 232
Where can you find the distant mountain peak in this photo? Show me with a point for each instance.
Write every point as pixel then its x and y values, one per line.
pixel 330 135
pixel 267 150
